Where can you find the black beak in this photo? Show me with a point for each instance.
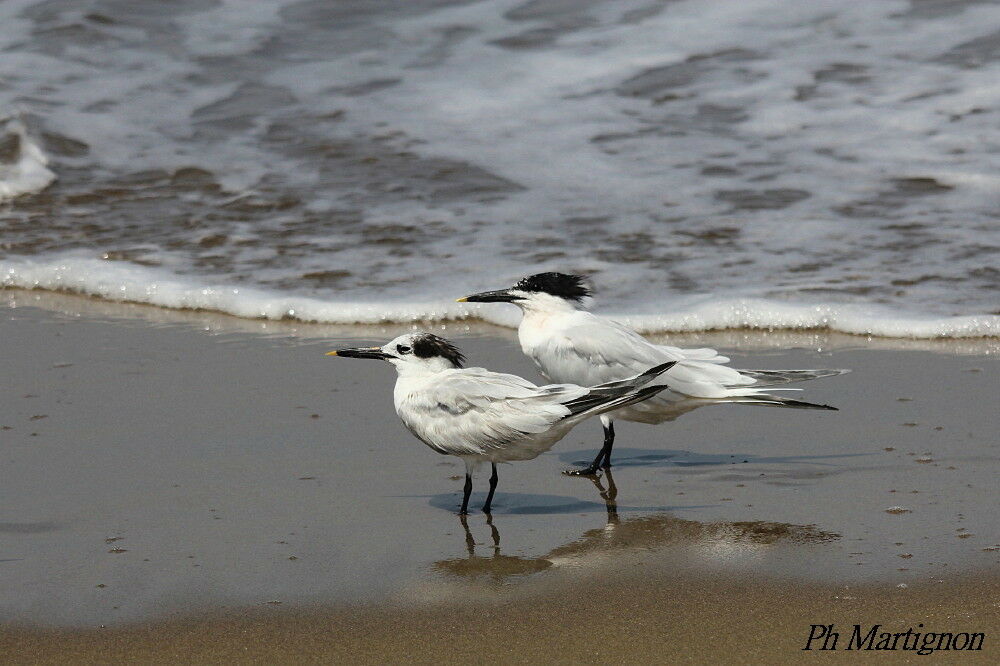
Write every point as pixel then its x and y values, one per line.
pixel 361 352
pixel 501 296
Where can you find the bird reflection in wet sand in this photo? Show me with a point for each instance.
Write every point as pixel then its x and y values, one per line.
pixel 496 566
pixel 605 545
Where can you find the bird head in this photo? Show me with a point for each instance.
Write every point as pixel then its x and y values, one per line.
pixel 541 291
pixel 412 351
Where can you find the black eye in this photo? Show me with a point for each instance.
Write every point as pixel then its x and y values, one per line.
pixel 402 349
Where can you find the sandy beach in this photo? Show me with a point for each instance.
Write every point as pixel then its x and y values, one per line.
pixel 187 486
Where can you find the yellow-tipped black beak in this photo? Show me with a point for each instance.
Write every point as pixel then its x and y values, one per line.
pixel 361 352
pixel 501 296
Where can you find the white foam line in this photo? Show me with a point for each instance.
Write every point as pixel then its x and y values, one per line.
pixel 845 318
pixel 129 283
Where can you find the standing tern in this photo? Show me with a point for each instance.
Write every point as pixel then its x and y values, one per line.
pixel 482 416
pixel 569 344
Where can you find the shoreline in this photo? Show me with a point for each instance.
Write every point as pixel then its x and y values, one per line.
pixel 93 307
pixel 506 319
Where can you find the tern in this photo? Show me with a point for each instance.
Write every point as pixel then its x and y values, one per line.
pixel 569 344
pixel 482 416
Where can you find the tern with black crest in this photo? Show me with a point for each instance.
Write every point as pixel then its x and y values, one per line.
pixel 482 416
pixel 570 344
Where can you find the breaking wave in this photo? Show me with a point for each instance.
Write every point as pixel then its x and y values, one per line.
pixel 128 283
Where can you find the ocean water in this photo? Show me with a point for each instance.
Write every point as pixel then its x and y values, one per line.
pixel 759 163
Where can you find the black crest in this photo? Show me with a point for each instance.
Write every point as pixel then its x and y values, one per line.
pixel 429 345
pixel 570 287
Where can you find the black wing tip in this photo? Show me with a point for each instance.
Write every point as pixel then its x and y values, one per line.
pixel 659 369
pixel 647 391
pixel 808 405
pixel 816 405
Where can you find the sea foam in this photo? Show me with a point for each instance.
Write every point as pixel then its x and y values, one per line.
pixel 116 281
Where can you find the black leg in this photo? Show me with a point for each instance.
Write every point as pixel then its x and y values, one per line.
pixel 603 458
pixel 493 487
pixel 609 442
pixel 468 491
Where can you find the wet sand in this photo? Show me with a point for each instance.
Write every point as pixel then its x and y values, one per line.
pixel 642 620
pixel 198 487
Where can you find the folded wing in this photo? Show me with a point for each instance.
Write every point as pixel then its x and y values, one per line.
pixel 474 411
pixel 590 349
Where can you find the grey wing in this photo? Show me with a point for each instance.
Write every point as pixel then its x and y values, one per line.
pixel 588 350
pixel 593 350
pixel 476 412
